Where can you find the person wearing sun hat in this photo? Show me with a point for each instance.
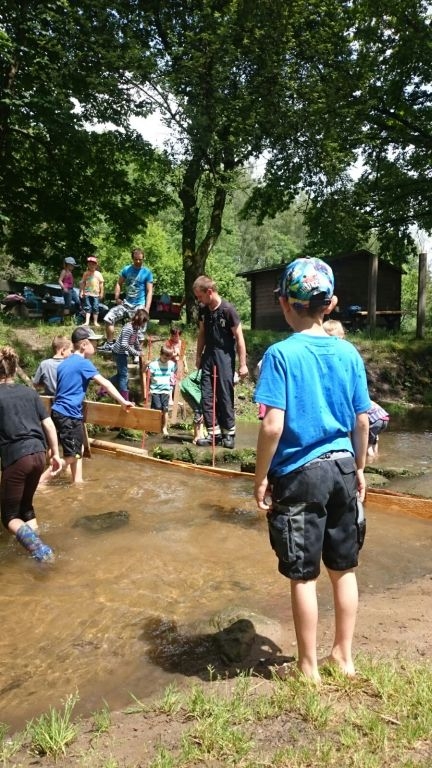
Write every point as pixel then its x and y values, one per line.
pixel 67 409
pixel 311 455
pixel 92 290
pixel 66 281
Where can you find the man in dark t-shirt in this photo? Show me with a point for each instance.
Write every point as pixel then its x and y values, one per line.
pixel 220 334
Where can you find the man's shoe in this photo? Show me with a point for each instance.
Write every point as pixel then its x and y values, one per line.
pixel 206 442
pixel 228 441
pixel 106 346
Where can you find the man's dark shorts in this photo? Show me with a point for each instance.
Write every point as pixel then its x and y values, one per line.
pixel 160 401
pixel 314 515
pixel 70 434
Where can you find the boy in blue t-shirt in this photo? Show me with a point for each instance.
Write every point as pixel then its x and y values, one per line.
pixel 73 377
pixel 311 455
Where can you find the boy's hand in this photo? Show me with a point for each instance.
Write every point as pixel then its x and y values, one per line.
pixel 361 484
pixel 56 465
pixel 263 495
pixel 127 405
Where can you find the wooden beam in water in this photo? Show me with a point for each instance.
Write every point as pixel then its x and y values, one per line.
pixel 113 415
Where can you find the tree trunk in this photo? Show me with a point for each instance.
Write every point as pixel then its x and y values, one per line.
pixel 195 258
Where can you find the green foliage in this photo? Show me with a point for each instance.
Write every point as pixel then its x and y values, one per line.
pixel 364 96
pixel 164 259
pixel 410 290
pixel 63 69
pixel 223 69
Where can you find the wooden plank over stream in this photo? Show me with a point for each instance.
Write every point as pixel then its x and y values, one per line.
pixel 113 415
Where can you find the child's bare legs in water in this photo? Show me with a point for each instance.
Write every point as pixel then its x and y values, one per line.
pixel 75 466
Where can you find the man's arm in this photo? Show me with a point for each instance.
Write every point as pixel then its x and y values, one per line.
pixel 118 289
pixel 149 296
pixel 359 438
pixel 200 344
pixel 241 350
pixel 268 439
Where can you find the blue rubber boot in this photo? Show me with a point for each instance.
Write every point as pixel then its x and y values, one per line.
pixel 30 540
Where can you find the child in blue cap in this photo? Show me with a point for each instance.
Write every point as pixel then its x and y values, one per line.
pixel 311 455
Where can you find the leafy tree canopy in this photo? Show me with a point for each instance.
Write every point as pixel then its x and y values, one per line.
pixel 378 61
pixel 61 68
pixel 219 71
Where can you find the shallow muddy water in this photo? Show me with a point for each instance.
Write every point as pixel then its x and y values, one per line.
pixel 193 546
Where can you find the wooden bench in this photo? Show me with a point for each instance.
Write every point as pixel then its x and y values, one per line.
pixel 158 311
pixel 389 318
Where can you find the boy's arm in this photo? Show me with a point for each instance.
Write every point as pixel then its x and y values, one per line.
pixel 241 350
pixel 360 443
pixel 101 287
pixel 61 279
pixel 268 439
pixel 110 388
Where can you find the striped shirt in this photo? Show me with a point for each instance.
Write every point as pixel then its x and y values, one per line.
pixel 160 376
pixel 129 340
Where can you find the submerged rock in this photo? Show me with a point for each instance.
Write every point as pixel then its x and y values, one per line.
pixel 106 521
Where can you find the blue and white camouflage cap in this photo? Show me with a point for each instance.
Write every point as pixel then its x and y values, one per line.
pixel 307 282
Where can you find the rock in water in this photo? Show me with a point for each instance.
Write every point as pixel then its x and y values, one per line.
pixel 106 521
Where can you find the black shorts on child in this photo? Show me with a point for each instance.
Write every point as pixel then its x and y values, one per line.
pixel 160 401
pixel 314 515
pixel 70 434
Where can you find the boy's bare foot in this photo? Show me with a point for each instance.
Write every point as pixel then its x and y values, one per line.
pixel 292 670
pixel 346 667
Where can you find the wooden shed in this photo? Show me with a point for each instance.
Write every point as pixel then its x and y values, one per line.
pixel 354 277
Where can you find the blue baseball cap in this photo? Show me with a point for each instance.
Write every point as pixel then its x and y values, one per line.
pixel 307 282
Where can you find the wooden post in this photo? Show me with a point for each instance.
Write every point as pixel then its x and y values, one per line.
pixel 179 377
pixel 176 396
pixel 372 292
pixel 421 296
pixel 142 379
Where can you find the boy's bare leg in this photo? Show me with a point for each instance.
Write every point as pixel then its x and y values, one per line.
pixel 76 466
pixel 87 318
pixel 95 321
pixel 165 422
pixel 47 474
pixel 345 598
pixel 305 614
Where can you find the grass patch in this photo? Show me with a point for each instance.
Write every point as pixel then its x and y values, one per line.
pixel 380 719
pixel 102 719
pixel 51 733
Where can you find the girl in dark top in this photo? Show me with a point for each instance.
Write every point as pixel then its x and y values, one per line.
pixel 25 430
